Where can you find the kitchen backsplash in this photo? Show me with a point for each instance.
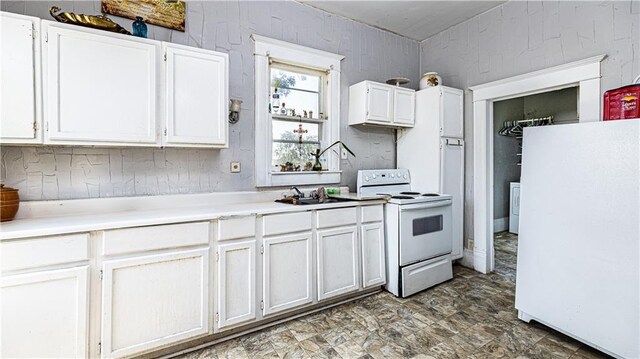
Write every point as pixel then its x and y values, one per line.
pixel 48 173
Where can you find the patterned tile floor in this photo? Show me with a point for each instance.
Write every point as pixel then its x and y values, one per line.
pixel 506 249
pixel 471 316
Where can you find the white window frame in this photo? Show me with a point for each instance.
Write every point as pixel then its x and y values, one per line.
pixel 266 50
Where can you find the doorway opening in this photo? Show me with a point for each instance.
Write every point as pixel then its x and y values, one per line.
pixel 510 117
pixel 584 74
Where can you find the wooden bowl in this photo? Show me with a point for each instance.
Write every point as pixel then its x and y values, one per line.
pixel 9 203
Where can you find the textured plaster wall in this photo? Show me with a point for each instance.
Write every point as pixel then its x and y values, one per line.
pixel 523 36
pixel 44 173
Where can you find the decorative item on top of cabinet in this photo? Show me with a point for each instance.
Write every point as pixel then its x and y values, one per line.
pixel 9 203
pixel 430 79
pixel 397 81
pixel 139 27
pixel 99 22
pixel 165 13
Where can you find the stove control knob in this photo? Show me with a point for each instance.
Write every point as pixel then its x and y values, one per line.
pixel 393 175
pixel 366 178
pixel 399 174
pixel 405 176
pixel 373 176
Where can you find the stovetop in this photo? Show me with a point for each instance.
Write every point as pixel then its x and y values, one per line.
pixel 396 185
pixel 408 197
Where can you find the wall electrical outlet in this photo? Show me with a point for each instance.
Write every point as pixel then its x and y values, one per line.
pixel 344 155
pixel 235 167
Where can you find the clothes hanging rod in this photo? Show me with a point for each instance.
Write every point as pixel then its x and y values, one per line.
pixel 532 120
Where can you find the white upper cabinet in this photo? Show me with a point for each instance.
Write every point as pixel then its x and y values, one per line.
pixel 379 103
pixel 451 112
pixel 196 107
pixel 20 120
pixel 404 109
pixel 101 88
pixel 372 103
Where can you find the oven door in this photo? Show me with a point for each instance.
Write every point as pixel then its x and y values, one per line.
pixel 425 231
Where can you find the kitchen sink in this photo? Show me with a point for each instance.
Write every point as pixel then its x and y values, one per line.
pixel 305 201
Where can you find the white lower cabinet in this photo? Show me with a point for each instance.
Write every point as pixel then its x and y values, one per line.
pixel 154 300
pixel 337 261
pixel 373 255
pixel 236 274
pixel 287 272
pixel 45 314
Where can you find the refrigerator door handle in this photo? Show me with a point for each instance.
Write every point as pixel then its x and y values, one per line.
pixel 458 143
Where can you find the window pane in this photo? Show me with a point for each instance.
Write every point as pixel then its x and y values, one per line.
pixel 292 152
pixel 294 80
pixel 285 130
pixel 299 101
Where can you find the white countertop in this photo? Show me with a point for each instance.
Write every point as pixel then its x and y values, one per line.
pixel 71 221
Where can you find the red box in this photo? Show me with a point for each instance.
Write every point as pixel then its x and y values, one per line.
pixel 622 103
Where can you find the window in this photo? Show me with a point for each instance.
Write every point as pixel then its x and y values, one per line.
pixel 297 111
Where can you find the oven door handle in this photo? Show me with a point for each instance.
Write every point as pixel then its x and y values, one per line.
pixel 415 207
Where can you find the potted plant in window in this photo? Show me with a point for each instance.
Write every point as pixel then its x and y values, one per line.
pixel 317 166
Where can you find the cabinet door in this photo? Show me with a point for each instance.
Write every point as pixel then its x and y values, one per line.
pixel 379 102
pixel 287 272
pixel 236 283
pixel 373 261
pixel 452 182
pixel 337 262
pixel 20 80
pixel 404 106
pixel 101 88
pixel 451 116
pixel 196 108
pixel 154 300
pixel 45 314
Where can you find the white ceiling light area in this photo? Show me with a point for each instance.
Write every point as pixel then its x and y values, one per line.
pixel 416 20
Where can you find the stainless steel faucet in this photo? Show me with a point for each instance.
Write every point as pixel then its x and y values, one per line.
pixel 300 193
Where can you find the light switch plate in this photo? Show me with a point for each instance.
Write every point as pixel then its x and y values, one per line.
pixel 344 155
pixel 235 167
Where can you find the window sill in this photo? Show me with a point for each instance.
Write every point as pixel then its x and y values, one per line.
pixel 304 178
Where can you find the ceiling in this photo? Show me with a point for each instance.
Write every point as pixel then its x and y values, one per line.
pixel 417 20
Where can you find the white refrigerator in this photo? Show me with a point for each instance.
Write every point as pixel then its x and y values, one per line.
pixel 579 241
pixel 433 151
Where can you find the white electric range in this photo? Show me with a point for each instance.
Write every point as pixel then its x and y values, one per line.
pixel 418 231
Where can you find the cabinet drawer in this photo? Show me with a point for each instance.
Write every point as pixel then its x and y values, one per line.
pixel 286 223
pixel 128 240
pixel 372 213
pixel 336 217
pixel 236 227
pixel 44 251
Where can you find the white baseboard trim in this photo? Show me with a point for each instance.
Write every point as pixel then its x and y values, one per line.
pixel 479 261
pixel 500 224
pixel 467 258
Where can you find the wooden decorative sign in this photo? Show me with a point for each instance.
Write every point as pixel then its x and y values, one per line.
pixel 165 13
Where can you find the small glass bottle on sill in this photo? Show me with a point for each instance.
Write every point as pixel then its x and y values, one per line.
pixel 275 101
